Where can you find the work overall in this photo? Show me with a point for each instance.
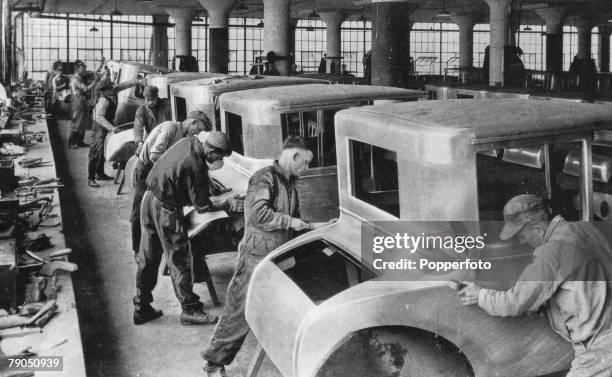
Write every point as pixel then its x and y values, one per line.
pixel 96 150
pixel 270 203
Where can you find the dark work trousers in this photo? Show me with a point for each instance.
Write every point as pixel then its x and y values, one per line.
pixel 141 171
pixel 80 120
pixel 233 328
pixel 96 153
pixel 163 233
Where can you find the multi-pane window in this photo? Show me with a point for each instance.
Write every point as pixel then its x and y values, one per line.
pixel 199 43
pixel 570 45
pixel 356 41
pixel 310 44
pixel 131 42
pixel 482 37
pixel 434 47
pixel 245 44
pixel 532 40
pixel 45 42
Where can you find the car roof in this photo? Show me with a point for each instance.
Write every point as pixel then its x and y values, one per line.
pixel 312 94
pixel 491 119
pixel 243 81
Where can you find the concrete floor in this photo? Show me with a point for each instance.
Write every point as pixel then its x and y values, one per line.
pixel 97 228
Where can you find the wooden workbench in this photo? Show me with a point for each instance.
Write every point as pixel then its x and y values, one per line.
pixel 64 326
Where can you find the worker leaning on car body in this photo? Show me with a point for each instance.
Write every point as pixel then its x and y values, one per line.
pixel 570 276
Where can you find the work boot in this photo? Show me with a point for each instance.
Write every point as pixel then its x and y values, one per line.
pixel 92 183
pixel 104 177
pixel 145 313
pixel 214 370
pixel 197 316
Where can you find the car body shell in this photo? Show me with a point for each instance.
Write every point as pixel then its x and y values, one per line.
pixel 436 144
pixel 261 111
pixel 203 94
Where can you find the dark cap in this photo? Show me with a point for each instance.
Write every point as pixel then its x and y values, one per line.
pixel 521 210
pixel 150 92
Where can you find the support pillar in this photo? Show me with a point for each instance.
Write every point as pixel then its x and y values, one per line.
pixel 466 40
pixel 604 48
pixel 333 23
pixel 218 33
pixel 182 19
pixel 159 41
pixel 391 43
pixel 499 10
pixel 584 26
pixel 553 17
pixel 276 33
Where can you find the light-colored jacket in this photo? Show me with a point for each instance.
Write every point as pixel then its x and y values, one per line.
pixel 160 140
pixel 571 276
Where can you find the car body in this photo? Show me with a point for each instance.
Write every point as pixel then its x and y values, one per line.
pixel 131 99
pixel 334 78
pixel 203 94
pixel 258 120
pixel 128 100
pixel 452 161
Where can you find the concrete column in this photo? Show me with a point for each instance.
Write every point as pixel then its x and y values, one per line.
pixel 218 33
pixel 499 10
pixel 553 17
pixel 604 48
pixel 159 41
pixel 182 19
pixel 466 39
pixel 584 26
pixel 276 33
pixel 391 43
pixel 333 23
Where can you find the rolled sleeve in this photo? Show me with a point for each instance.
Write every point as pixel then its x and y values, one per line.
pixel 262 214
pixel 197 183
pixel 161 144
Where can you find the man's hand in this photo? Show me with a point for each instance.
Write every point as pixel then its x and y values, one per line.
pixel 318 225
pixel 234 204
pixel 139 148
pixel 115 130
pixel 299 224
pixel 469 294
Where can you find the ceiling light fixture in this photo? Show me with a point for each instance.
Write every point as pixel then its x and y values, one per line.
pixel 94 29
pixel 241 7
pixel 362 18
pixel 527 28
pixel 198 19
pixel 443 12
pixel 116 12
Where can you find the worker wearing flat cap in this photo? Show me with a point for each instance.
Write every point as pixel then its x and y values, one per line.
pixel 157 142
pixel 179 178
pixel 570 277
pixel 155 111
pixel 104 114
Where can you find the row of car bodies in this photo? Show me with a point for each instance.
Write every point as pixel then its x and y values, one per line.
pixel 316 304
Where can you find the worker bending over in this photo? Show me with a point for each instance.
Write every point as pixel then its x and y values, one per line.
pixel 570 276
pixel 179 178
pixel 157 142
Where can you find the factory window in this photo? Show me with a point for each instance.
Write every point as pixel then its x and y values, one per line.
pixel 233 128
pixel 310 45
pixel 245 44
pixel 356 41
pixel 570 45
pixel 434 47
pixel 375 176
pixel 482 37
pixel 532 40
pixel 199 42
pixel 44 42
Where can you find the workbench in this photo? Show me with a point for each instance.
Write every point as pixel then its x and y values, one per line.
pixel 61 336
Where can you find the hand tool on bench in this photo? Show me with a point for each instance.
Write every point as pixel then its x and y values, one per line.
pixel 50 264
pixel 19 321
